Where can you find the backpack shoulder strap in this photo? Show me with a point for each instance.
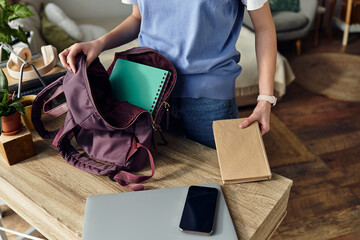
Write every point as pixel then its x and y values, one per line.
pixel 37 108
pixel 124 177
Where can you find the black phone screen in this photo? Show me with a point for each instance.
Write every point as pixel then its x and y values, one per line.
pixel 199 210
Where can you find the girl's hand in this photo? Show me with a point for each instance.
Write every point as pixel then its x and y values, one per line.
pixel 90 49
pixel 260 114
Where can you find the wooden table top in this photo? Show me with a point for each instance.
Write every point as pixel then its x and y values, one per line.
pixel 51 194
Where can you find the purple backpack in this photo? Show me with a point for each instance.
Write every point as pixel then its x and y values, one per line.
pixel 115 135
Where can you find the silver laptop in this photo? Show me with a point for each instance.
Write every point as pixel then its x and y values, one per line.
pixel 149 214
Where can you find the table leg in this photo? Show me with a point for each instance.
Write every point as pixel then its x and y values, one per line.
pixel 332 4
pixel 2 233
pixel 319 13
pixel 3 236
pixel 30 231
pixel 347 23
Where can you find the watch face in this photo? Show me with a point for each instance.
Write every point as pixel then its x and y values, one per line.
pixel 273 102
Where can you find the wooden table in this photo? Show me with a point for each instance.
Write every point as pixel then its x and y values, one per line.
pixel 50 194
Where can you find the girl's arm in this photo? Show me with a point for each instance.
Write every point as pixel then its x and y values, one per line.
pixel 127 31
pixel 266 51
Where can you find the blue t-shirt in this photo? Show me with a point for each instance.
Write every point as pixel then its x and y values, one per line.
pixel 198 37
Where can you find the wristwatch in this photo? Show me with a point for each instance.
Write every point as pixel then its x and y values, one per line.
pixel 270 99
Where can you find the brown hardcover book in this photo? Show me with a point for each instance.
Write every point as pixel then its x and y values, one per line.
pixel 241 152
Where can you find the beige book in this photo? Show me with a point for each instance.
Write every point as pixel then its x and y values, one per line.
pixel 241 152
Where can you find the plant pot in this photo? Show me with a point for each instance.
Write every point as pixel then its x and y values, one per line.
pixel 11 124
pixel 26 118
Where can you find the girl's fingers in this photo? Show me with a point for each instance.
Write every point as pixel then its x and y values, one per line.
pixel 63 55
pixel 247 122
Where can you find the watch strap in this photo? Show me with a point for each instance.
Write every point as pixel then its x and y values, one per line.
pixel 270 99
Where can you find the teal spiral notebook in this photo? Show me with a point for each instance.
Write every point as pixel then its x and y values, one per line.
pixel 137 83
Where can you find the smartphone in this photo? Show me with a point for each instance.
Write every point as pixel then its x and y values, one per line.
pixel 199 210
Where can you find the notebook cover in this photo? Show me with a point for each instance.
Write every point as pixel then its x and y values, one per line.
pixel 137 83
pixel 241 152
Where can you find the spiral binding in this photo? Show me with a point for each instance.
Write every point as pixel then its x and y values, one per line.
pixel 158 93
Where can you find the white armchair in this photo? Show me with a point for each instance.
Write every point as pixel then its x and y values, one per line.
pixel 292 25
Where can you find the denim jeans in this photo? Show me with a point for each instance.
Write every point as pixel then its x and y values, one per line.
pixel 193 118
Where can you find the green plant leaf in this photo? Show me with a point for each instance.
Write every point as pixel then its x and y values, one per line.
pixel 18 106
pixel 5 55
pixel 5 110
pixel 9 106
pixel 5 34
pixel 3 80
pixel 0 127
pixel 3 17
pixel 16 99
pixel 2 94
pixel 5 96
pixel 3 4
pixel 18 11
pixel 20 34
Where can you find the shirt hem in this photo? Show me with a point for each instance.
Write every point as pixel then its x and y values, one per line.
pixel 254 5
pixel 129 1
pixel 207 86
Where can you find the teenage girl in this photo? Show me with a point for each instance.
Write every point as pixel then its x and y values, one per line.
pixel 198 37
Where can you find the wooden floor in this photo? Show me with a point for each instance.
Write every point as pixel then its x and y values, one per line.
pixel 325 198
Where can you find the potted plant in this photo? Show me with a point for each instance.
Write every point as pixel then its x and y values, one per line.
pixel 10 109
pixel 10 12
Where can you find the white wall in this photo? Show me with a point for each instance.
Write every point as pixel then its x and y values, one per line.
pixel 85 9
